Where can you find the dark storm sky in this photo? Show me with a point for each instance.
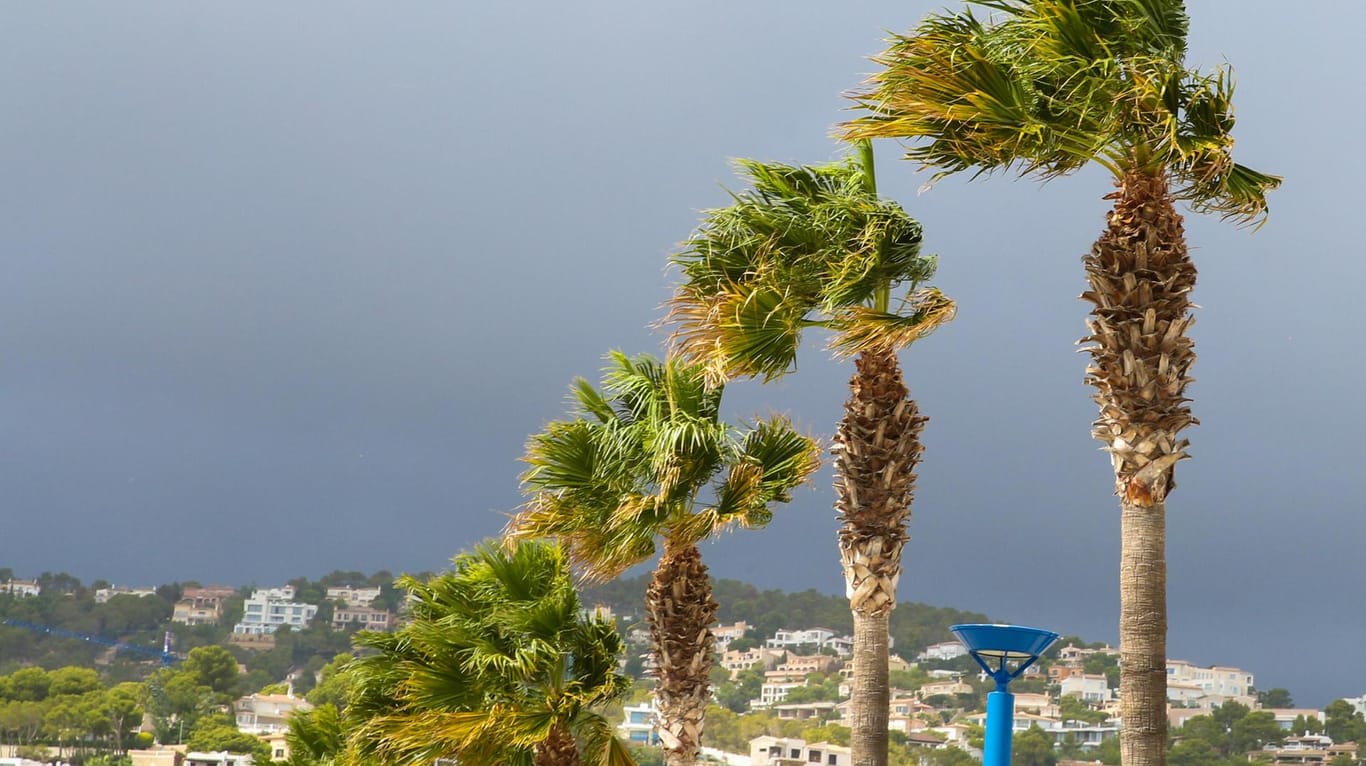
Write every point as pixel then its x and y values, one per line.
pixel 286 286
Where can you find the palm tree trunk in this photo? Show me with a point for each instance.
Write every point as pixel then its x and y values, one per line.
pixel 1141 278
pixel 680 611
pixel 877 448
pixel 559 748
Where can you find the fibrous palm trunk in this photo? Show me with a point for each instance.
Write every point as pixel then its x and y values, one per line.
pixel 1141 278
pixel 680 611
pixel 559 748
pixel 877 448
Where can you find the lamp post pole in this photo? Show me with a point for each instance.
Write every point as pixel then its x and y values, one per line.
pixel 1000 724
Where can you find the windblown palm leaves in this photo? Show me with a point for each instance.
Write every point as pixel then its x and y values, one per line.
pixel 648 457
pixel 496 666
pixel 811 246
pixel 1047 86
pixel 803 246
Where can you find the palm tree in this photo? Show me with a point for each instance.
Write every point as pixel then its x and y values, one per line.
pixel 1045 87
pixel 648 457
pixel 815 246
pixel 497 665
pixel 315 737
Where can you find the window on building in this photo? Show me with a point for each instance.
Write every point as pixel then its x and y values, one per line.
pixel 831 759
pixel 813 757
pixel 796 753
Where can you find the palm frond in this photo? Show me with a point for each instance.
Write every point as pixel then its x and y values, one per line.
pixel 862 329
pixel 800 244
pixel 1046 86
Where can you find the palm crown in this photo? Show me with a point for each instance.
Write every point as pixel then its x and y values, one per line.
pixel 1046 86
pixel 638 457
pixel 496 657
pixel 809 245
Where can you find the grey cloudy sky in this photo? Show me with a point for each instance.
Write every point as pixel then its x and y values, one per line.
pixel 286 286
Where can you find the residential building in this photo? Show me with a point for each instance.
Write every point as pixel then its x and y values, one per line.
pixel 269 608
pixel 102 595
pixel 1057 673
pixel 207 595
pixel 353 596
pixel 791 639
pixel 1076 655
pixel 1039 704
pixel 641 724
pixel 947 650
pixel 267 713
pixel 724 634
pixel 279 745
pixel 1313 749
pixel 217 758
pixel 362 618
pixel 1285 717
pixel 787 751
pixel 1088 687
pixel 804 711
pixel 1357 702
pixel 186 613
pixel 775 691
pixel 1219 683
pixel 808 664
pixel 736 661
pixel 157 756
pixel 21 588
pixel 201 606
pixel 949 687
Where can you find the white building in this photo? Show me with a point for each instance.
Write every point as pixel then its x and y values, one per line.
pixel 787 751
pixel 641 724
pixel 217 758
pixel 20 588
pixel 773 692
pixel 269 608
pixel 364 596
pixel 1219 683
pixel 267 713
pixel 946 651
pixel 785 639
pixel 102 595
pixel 1086 686
pixel 1357 702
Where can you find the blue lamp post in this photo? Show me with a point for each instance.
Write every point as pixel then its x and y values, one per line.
pixel 1004 652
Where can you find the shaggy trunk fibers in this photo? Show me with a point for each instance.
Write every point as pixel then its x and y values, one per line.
pixel 1141 278
pixel 877 448
pixel 680 611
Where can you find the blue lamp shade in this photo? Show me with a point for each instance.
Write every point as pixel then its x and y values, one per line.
pixel 1004 643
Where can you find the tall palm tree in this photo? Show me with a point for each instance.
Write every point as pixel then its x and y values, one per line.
pixel 1045 87
pixel 648 457
pixel 815 246
pixel 497 665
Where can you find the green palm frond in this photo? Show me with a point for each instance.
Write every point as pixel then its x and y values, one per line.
pixel 860 329
pixel 801 244
pixel 630 465
pixel 1044 87
pixel 496 654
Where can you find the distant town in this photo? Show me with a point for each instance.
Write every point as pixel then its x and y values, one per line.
pixel 282 643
